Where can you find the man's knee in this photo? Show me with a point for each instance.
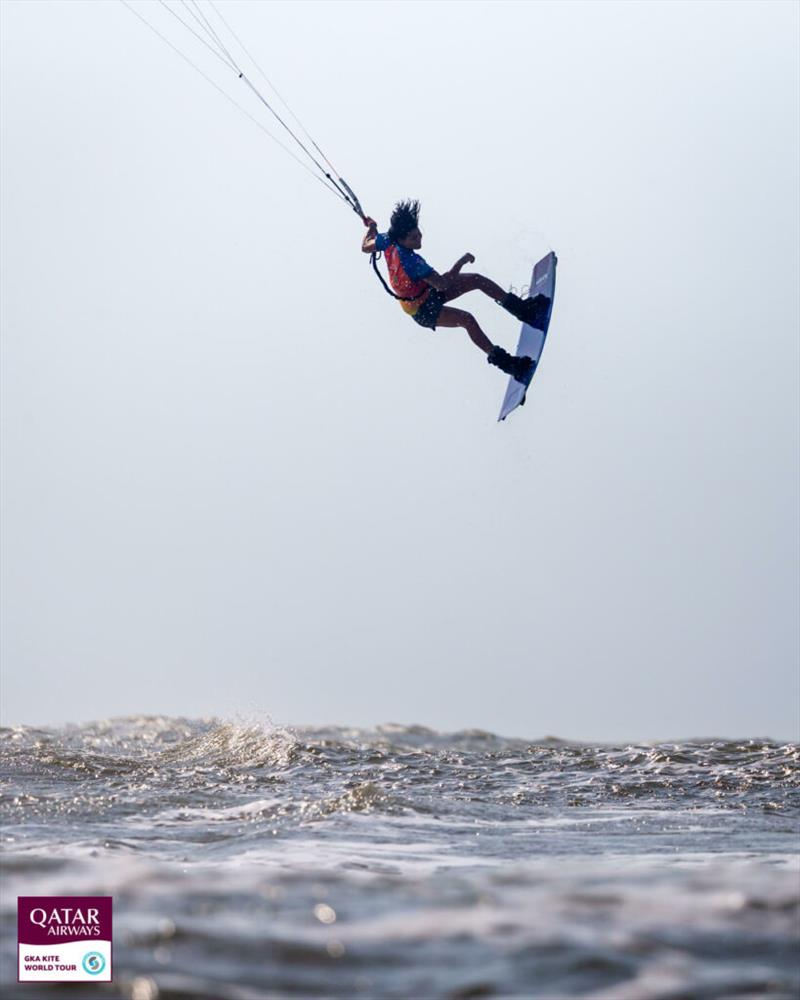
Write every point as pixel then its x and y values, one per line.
pixel 465 319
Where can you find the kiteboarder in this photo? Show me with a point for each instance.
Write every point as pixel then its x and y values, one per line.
pixel 423 292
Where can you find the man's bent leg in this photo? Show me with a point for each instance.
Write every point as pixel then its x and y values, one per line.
pixel 520 368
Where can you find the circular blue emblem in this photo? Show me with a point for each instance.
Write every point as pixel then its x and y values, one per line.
pixel 93 963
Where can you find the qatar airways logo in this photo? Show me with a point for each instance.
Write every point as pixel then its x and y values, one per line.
pixel 61 921
pixel 64 938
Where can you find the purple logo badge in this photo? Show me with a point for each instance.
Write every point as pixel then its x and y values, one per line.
pixel 64 939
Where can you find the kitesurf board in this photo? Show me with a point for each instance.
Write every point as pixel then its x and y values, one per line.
pixel 532 338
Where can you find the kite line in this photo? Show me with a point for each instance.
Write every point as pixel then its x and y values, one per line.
pixel 199 20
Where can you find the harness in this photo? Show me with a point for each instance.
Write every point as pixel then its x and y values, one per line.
pixel 375 256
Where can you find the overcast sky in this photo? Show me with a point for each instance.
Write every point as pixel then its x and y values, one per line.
pixel 238 479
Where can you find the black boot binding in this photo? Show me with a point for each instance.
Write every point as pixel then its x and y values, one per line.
pixel 531 311
pixel 520 368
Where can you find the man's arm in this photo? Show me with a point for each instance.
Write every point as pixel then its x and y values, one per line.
pixel 466 259
pixel 441 281
pixel 368 243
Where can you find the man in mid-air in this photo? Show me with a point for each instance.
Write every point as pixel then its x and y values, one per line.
pixel 423 292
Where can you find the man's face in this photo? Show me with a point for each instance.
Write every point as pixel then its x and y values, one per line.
pixel 413 241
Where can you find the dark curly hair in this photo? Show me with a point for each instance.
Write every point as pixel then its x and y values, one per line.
pixel 405 217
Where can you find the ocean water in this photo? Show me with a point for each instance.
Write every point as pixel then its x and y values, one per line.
pixel 250 861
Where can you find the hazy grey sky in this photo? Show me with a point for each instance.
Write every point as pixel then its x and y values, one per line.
pixel 236 478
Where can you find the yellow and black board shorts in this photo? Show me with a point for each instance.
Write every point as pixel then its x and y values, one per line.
pixel 428 312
